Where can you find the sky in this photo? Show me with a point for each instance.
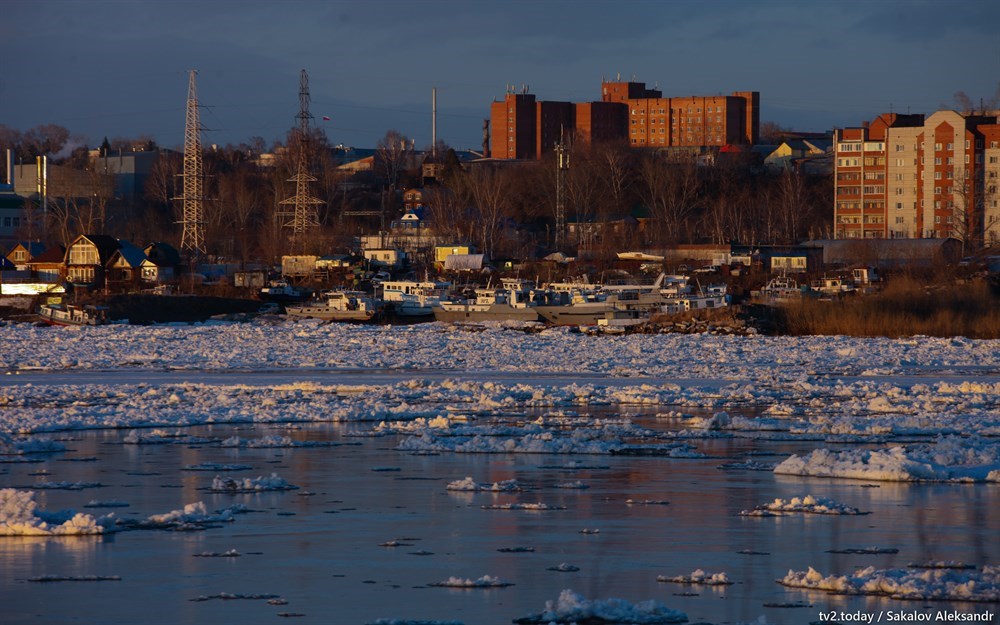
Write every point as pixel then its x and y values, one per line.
pixel 120 68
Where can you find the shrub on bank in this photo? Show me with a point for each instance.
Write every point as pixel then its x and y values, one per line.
pixel 904 308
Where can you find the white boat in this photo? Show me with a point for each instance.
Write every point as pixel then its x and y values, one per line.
pixel 512 302
pixel 340 306
pixel 617 321
pixel 414 299
pixel 582 307
pixel 831 287
pixel 711 298
pixel 58 315
pixel 282 291
pixel 778 290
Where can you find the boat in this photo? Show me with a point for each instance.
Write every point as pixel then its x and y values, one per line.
pixel 511 302
pixel 407 298
pixel 831 287
pixel 778 290
pixel 59 315
pixel 353 306
pixel 617 321
pixel 282 291
pixel 710 298
pixel 581 307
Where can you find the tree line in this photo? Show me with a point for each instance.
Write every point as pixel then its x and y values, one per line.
pixel 506 209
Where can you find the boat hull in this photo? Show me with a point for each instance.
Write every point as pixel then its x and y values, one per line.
pixel 574 315
pixel 452 313
pixel 326 314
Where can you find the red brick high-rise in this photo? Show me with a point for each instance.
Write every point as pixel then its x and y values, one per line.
pixel 628 111
pixel 513 125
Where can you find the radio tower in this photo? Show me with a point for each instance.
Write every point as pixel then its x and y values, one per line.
pixel 562 166
pixel 193 235
pixel 305 211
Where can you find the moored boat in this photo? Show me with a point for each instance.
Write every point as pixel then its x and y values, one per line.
pixel 408 298
pixel 512 302
pixel 340 306
pixel 59 315
pixel 282 291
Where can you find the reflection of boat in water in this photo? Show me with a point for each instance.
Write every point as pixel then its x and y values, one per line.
pixel 340 306
pixel 281 291
pixel 414 299
pixel 57 315
pixel 512 302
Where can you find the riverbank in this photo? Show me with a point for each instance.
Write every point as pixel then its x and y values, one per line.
pixel 905 308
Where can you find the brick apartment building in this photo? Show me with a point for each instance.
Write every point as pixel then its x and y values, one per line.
pixel 524 128
pixel 906 176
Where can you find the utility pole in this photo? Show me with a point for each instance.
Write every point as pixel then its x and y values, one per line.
pixel 193 220
pixel 305 212
pixel 562 166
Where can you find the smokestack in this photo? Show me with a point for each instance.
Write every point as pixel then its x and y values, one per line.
pixel 434 121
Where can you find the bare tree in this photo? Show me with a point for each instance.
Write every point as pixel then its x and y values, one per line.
pixel 670 190
pixel 392 153
pixel 616 173
pixel 488 188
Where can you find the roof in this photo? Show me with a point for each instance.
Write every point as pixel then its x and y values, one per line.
pixel 162 254
pixel 106 245
pixel 886 251
pixel 132 255
pixel 54 255
pixel 34 248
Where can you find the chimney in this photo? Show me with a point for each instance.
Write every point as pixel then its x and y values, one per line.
pixel 10 167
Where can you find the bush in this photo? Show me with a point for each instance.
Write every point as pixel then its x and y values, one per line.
pixel 905 308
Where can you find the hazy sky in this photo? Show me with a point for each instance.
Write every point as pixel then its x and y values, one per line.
pixel 119 68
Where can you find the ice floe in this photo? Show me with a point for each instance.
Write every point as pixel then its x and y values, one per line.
pixel 75 578
pixel 698 576
pixel 486 581
pixel 20 516
pixel 949 459
pixel 807 504
pixel 470 485
pixel 910 584
pixel 571 607
pixel 538 507
pixel 250 485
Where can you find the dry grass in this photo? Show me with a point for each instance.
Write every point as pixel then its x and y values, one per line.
pixel 904 308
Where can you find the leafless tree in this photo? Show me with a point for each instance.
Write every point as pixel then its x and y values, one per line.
pixel 392 153
pixel 670 190
pixel 488 188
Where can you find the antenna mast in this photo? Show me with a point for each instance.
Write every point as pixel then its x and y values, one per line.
pixel 305 212
pixel 193 234
pixel 562 166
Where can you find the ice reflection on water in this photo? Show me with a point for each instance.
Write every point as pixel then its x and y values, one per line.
pixel 325 558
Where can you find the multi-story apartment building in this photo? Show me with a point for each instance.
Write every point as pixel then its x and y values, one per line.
pixel 628 111
pixel 512 126
pixel 991 184
pixel 711 121
pixel 904 176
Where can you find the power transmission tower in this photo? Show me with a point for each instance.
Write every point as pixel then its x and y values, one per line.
pixel 562 166
pixel 193 220
pixel 304 215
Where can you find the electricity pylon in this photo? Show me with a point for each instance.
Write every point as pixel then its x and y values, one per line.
pixel 193 220
pixel 305 208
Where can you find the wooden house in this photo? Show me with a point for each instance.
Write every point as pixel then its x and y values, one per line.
pixel 87 257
